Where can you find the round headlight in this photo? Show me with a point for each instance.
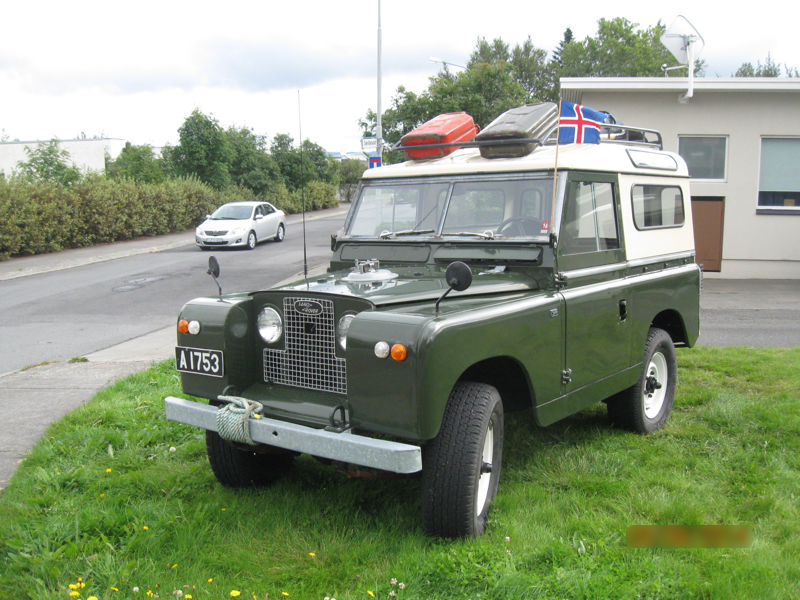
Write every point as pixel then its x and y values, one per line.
pixel 342 328
pixel 270 326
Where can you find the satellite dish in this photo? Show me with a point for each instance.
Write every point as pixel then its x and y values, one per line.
pixel 683 40
pixel 685 44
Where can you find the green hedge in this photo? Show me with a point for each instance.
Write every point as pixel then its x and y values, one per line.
pixel 40 218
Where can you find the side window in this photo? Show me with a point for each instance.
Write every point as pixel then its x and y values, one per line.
pixel 590 220
pixel 657 206
pixel 268 209
pixel 259 210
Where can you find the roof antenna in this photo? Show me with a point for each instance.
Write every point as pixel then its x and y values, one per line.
pixel 302 190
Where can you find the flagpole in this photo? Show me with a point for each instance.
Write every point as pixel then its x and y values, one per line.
pixel 555 173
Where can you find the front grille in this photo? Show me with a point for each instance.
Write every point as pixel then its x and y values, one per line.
pixel 309 360
pixel 213 233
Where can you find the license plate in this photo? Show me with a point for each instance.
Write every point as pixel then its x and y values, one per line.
pixel 197 360
pixel 213 240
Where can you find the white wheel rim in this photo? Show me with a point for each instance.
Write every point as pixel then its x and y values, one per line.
pixel 485 478
pixel 654 399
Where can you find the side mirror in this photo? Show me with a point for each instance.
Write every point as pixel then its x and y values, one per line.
pixel 458 277
pixel 213 270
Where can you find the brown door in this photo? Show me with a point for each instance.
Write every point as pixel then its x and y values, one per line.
pixel 708 213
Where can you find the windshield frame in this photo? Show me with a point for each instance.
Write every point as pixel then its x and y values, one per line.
pixel 452 180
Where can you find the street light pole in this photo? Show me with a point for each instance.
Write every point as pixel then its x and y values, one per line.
pixel 379 131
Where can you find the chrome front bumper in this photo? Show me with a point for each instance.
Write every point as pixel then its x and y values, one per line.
pixel 346 447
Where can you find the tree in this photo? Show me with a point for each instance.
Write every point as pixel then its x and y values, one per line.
pixel 203 151
pixel 251 165
pixel 618 50
pixel 769 69
pixel 299 166
pixel 138 163
pixel 568 37
pixel 48 162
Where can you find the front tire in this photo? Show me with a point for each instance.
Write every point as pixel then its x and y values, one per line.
pixel 461 465
pixel 251 240
pixel 237 468
pixel 645 406
pixel 281 233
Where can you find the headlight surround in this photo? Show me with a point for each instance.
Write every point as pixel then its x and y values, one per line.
pixel 342 328
pixel 270 325
pixel 236 231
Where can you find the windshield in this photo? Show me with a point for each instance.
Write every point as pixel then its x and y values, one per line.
pixel 232 212
pixel 490 208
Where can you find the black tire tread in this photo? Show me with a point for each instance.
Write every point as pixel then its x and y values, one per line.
pixel 236 468
pixel 448 489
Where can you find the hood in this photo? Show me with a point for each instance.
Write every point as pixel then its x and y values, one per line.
pixel 414 284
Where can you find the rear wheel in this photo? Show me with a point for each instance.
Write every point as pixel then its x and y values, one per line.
pixel 461 465
pixel 281 233
pixel 645 406
pixel 238 468
pixel 251 240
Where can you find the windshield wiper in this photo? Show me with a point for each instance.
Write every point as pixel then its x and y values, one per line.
pixel 486 235
pixel 385 235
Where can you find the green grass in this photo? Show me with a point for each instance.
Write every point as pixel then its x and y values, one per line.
pixel 159 521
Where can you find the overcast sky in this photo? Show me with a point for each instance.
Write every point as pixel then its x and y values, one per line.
pixel 136 70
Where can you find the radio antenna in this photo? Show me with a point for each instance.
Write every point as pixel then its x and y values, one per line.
pixel 302 189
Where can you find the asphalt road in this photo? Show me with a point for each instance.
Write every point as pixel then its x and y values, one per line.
pixel 70 312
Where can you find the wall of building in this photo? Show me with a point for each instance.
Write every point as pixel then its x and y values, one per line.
pixel 87 155
pixel 754 245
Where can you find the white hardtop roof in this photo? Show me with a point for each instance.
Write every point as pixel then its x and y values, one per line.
pixel 605 157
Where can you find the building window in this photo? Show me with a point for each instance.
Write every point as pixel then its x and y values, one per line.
pixel 779 181
pixel 704 155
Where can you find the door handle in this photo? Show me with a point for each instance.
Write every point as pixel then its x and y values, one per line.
pixel 623 310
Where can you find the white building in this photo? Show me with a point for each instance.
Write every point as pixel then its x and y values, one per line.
pixel 87 155
pixel 741 140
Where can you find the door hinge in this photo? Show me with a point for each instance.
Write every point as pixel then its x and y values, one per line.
pixel 560 280
pixel 566 376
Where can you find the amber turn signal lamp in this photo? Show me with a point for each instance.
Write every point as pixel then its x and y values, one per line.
pixel 183 326
pixel 399 352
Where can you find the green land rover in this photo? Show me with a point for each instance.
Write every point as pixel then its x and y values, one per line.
pixel 460 288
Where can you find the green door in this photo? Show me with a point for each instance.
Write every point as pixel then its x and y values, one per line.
pixel 591 272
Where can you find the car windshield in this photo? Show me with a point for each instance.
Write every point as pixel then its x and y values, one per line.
pixel 232 212
pixel 476 208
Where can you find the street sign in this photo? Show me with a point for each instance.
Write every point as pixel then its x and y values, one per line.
pixel 374 161
pixel 369 144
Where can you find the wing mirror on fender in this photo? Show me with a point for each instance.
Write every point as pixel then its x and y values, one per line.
pixel 458 277
pixel 213 270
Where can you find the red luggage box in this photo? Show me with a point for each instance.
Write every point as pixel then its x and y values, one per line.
pixel 449 127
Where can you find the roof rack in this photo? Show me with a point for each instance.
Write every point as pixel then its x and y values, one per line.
pixel 610 134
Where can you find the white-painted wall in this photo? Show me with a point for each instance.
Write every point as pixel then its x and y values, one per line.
pixel 755 246
pixel 87 155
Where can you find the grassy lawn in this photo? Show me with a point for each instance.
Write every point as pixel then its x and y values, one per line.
pixel 124 500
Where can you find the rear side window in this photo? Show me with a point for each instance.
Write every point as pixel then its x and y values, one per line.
pixel 657 206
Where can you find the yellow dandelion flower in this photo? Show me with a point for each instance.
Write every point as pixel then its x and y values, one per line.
pixel 235 593
pixel 284 594
pixel 175 566
pixel 73 586
pixel 92 598
pixel 115 589
pixel 188 597
pixel 145 528
pixel 74 594
pixel 210 580
pixel 81 585
pixel 108 470
pixel 371 593
pixel 102 495
pixel 312 554
pixel 80 579
pixel 224 509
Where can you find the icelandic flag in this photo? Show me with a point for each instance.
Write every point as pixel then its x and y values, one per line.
pixel 579 124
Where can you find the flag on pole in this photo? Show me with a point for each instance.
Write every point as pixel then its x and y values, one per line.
pixel 579 124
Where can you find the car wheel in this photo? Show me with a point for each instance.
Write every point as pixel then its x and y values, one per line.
pixel 461 465
pixel 281 233
pixel 645 406
pixel 237 468
pixel 251 240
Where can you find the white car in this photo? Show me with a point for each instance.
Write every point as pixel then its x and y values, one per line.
pixel 241 224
